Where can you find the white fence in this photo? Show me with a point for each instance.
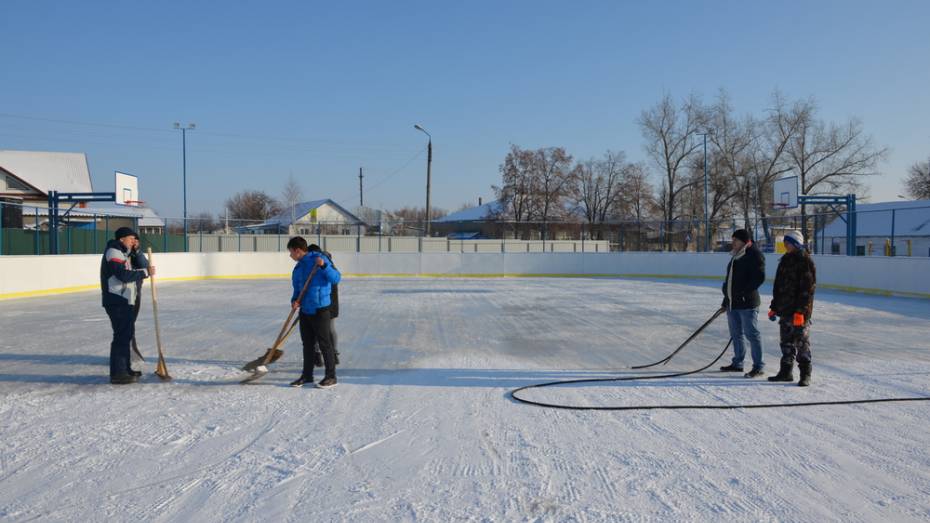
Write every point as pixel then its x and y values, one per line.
pixel 22 276
pixel 372 244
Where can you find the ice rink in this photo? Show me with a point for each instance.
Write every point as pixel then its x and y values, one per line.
pixel 421 427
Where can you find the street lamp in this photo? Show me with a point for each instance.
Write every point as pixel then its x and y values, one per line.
pixel 184 129
pixel 429 162
pixel 706 214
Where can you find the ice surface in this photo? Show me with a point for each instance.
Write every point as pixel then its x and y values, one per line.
pixel 421 428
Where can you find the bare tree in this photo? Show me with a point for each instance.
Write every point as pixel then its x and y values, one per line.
pixel 733 140
pixel 830 157
pixel 596 187
pixel 518 187
pixel 252 205
pixel 637 199
pixel 291 195
pixel 669 133
pixel 918 181
pixel 203 222
pixel 414 218
pixel 637 196
pixel 726 185
pixel 770 158
pixel 554 174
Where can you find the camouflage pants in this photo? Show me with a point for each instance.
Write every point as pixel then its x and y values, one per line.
pixel 795 342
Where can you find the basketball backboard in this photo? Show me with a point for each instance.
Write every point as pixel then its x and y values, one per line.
pixel 127 189
pixel 785 193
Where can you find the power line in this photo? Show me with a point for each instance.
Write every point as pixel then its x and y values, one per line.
pixel 272 139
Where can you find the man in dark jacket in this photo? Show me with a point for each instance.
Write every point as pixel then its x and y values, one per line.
pixel 314 309
pixel 793 303
pixel 118 285
pixel 745 274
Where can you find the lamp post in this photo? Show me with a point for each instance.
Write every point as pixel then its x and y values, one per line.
pixel 429 162
pixel 706 213
pixel 184 129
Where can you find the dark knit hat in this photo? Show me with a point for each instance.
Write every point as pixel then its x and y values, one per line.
pixel 123 232
pixel 742 235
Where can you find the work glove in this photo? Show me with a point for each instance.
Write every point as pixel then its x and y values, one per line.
pixel 798 320
pixel 772 315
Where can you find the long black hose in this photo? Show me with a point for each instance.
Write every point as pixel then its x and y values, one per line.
pixel 514 393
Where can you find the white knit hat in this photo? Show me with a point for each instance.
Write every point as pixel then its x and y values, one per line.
pixel 795 237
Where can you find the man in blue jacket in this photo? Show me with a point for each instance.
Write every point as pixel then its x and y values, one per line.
pixel 315 321
pixel 118 285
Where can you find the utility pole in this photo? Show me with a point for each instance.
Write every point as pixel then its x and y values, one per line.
pixel 429 164
pixel 361 204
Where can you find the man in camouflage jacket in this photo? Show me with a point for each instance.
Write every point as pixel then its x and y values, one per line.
pixel 793 303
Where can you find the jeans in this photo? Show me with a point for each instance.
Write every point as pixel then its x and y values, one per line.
pixel 743 323
pixel 123 321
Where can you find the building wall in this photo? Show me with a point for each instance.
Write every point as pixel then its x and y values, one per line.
pixel 875 246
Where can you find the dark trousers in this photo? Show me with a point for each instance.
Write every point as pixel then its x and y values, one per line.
pixel 316 329
pixel 123 321
pixel 795 342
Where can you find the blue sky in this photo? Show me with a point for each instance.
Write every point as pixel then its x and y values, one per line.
pixel 317 90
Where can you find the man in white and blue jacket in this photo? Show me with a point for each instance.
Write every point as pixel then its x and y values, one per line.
pixel 314 306
pixel 118 285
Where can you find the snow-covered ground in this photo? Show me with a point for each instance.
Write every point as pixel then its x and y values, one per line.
pixel 421 427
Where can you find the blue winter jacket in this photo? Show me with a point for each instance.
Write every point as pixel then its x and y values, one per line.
pixel 318 293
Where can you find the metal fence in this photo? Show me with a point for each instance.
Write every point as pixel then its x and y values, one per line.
pixel 887 232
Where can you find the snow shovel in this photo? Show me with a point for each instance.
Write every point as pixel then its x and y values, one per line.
pixel 161 370
pixel 273 353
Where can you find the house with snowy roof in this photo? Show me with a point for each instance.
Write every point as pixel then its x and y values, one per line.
pixel 314 217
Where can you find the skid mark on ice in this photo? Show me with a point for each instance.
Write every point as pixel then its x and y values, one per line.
pixel 375 443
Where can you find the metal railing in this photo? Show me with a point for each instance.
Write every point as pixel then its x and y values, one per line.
pixel 891 232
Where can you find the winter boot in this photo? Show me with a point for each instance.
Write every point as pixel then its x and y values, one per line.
pixel 784 374
pixel 300 382
pixel 123 379
pixel 731 368
pixel 805 380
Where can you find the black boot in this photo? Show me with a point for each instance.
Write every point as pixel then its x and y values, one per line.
pixel 805 380
pixel 785 373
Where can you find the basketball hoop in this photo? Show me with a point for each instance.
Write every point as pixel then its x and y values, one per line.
pixel 134 203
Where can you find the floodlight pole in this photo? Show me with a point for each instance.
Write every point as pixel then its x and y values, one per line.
pixel 184 130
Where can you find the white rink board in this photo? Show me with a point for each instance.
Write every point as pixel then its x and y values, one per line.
pixel 22 275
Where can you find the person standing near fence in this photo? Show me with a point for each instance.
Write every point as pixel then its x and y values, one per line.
pixel 118 286
pixel 793 304
pixel 745 274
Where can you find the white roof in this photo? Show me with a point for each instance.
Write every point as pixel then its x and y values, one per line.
pixel 911 218
pixel 147 216
pixel 49 171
